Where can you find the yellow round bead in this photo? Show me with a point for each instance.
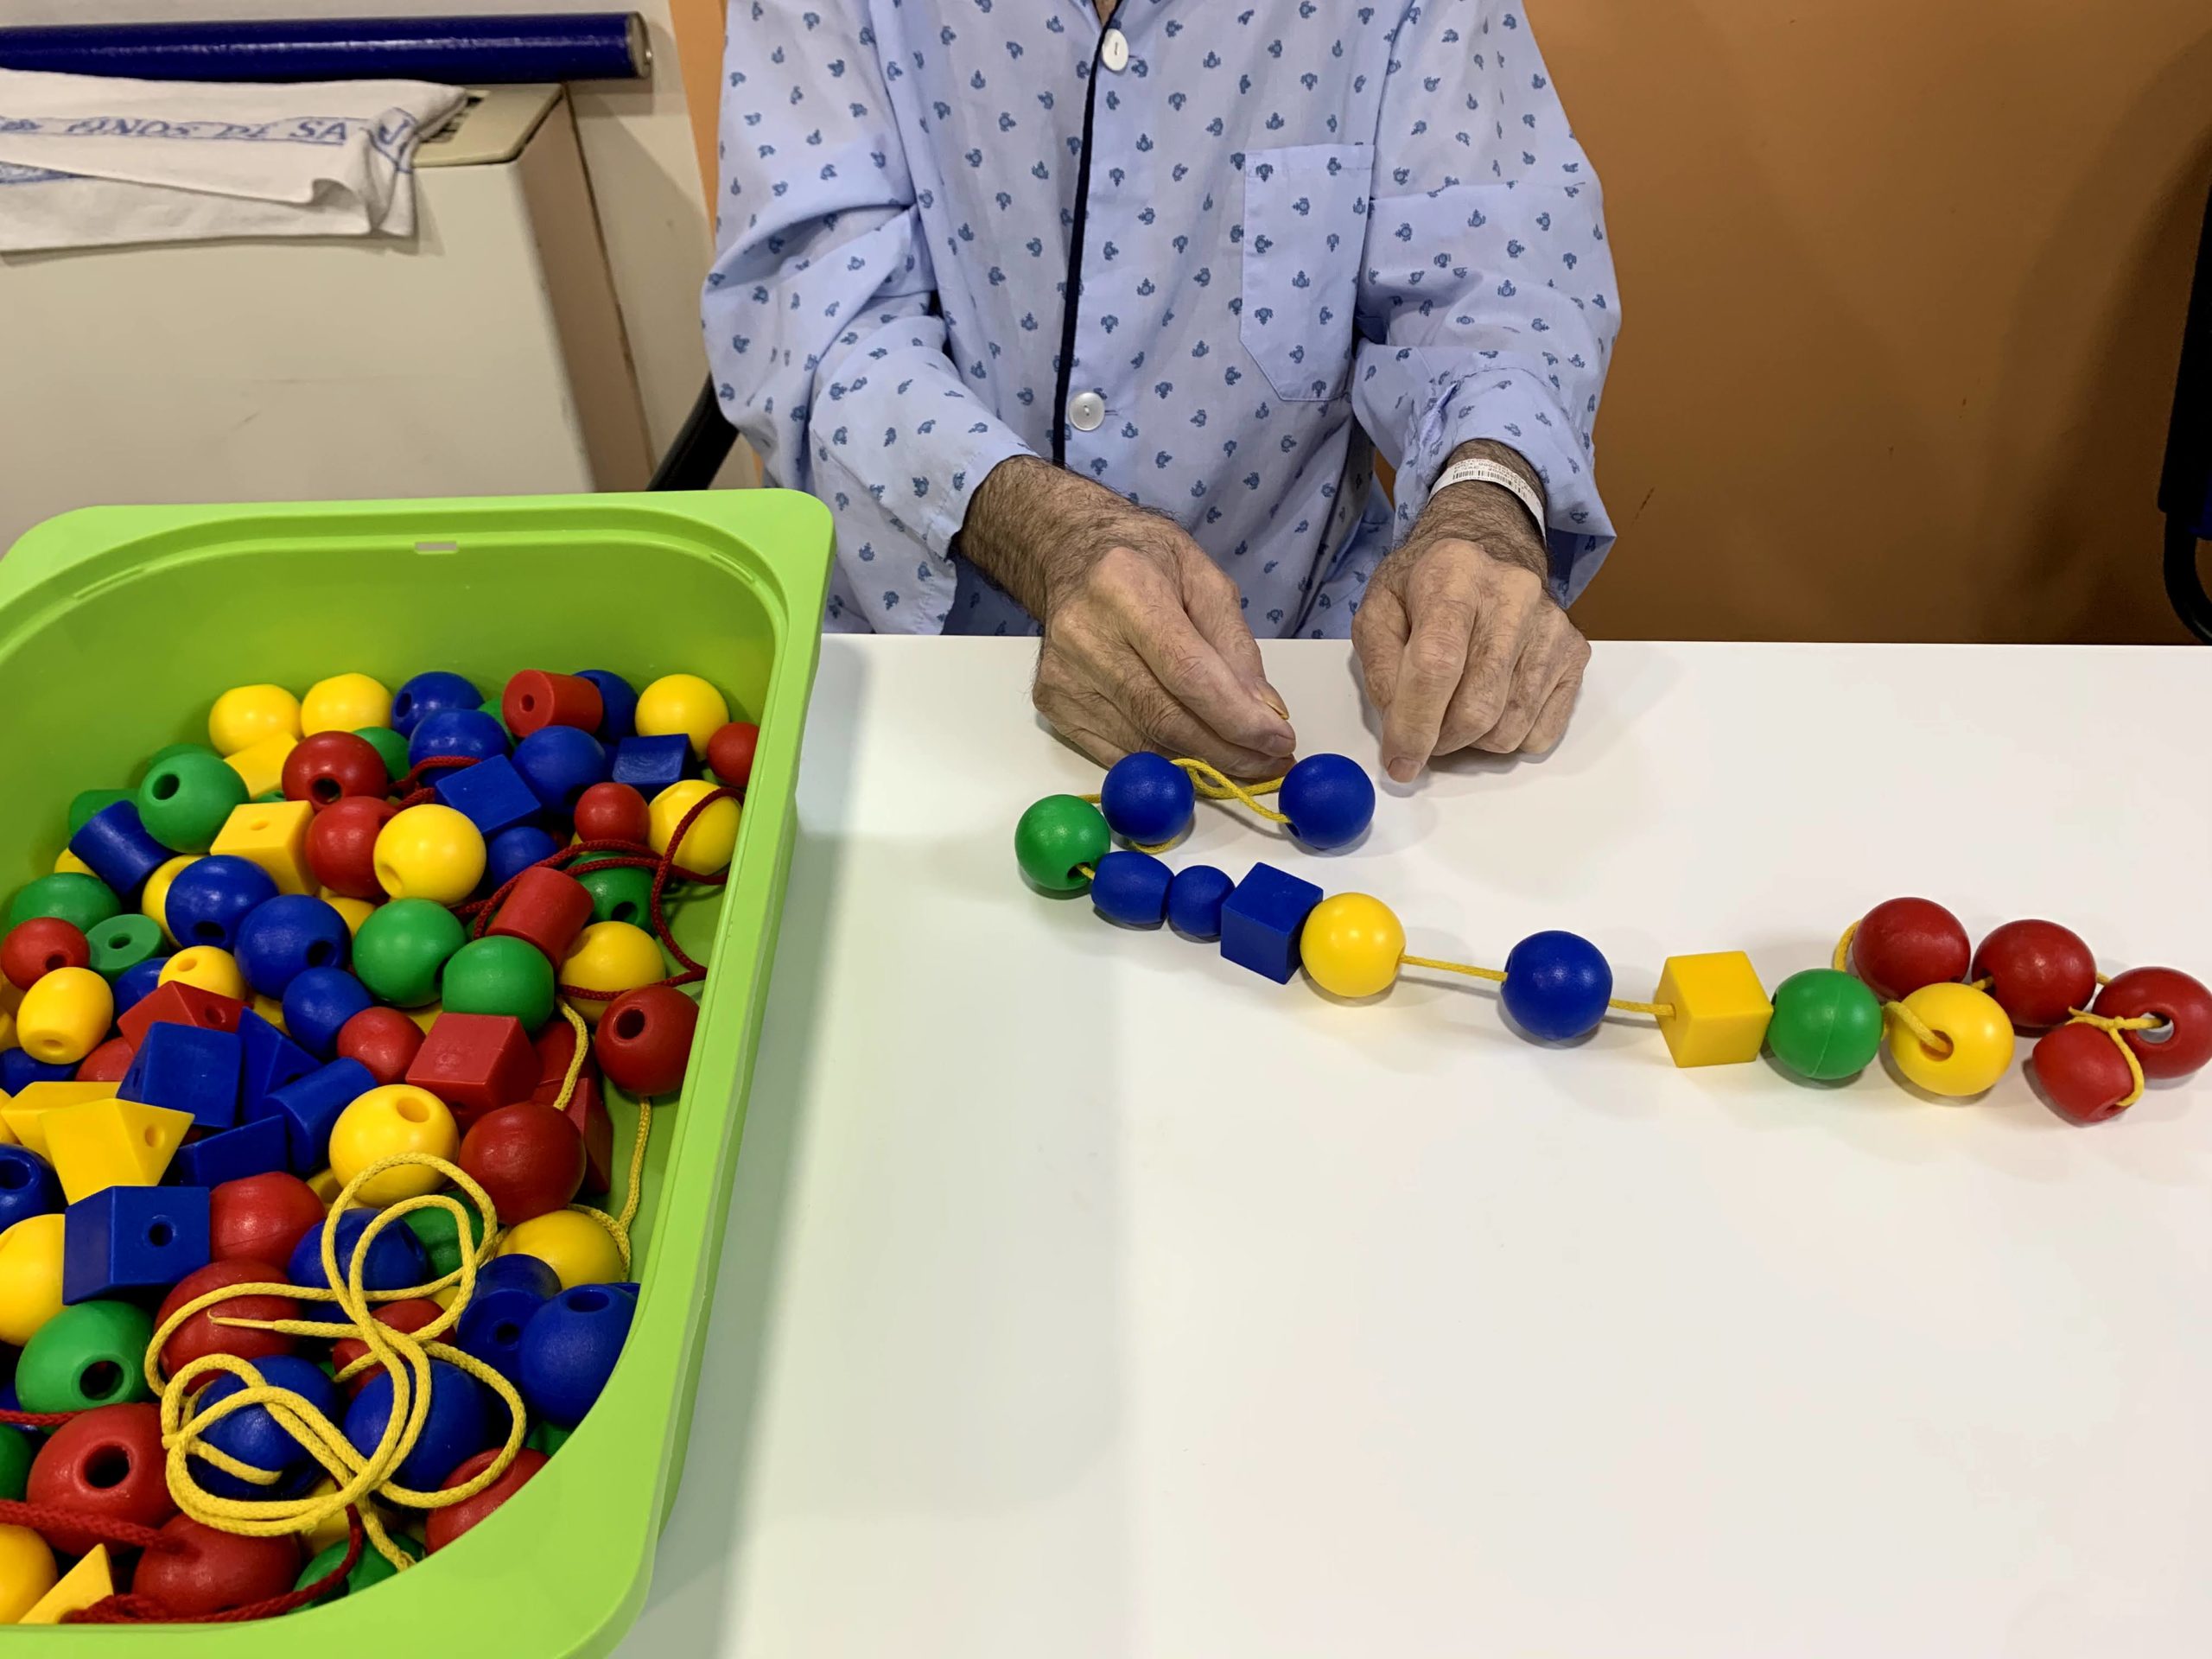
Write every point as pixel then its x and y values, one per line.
pixel 685 704
pixel 325 1186
pixel 7 1041
pixel 429 851
pixel 67 863
pixel 270 1009
pixel 31 1276
pixel 65 1016
pixel 344 702
pixel 247 714
pixel 610 957
pixel 355 910
pixel 209 967
pixel 576 1248
pixel 27 1572
pixel 1350 945
pixel 1978 1031
pixel 154 898
pixel 384 1123
pixel 712 837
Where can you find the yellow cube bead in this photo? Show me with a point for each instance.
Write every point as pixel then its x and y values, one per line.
pixel 30 1275
pixel 65 1016
pixel 92 1580
pixel 27 1572
pixel 274 835
pixel 154 898
pixel 263 765
pixel 345 702
pixel 106 1143
pixel 247 714
pixel 208 968
pixel 1720 1009
pixel 25 1113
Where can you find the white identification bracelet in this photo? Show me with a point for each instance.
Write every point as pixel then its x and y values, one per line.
pixel 1489 472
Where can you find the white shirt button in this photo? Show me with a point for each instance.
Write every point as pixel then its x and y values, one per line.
pixel 1086 412
pixel 1114 51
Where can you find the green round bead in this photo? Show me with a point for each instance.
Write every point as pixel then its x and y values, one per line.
pixel 91 801
pixel 1056 835
pixel 1826 1024
pixel 620 895
pixel 17 1448
pixel 185 800
pixel 92 1354
pixel 123 942
pixel 548 1438
pixel 372 1568
pixel 171 751
pixel 441 1237
pixel 84 901
pixel 388 744
pixel 500 976
pixel 400 948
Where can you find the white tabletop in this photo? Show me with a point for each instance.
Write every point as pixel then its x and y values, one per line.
pixel 1086 1296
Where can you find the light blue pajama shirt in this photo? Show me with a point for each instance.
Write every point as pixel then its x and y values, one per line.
pixel 1308 223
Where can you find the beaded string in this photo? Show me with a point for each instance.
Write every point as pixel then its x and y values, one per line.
pixel 1497 977
pixel 1212 784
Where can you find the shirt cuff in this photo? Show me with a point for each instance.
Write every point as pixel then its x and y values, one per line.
pixel 918 463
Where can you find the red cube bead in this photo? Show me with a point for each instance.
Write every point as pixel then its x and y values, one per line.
pixel 2038 972
pixel 201 1335
pixel 535 700
pixel 446 1524
pixel 36 947
pixel 107 1062
pixel 1905 944
pixel 327 767
pixel 2183 1044
pixel 182 1004
pixel 106 1462
pixel 198 1570
pixel 259 1218
pixel 476 1063
pixel 384 1040
pixel 644 1041
pixel 730 751
pixel 547 909
pixel 342 845
pixel 530 1159
pixel 613 812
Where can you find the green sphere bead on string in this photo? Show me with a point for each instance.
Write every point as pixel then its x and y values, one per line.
pixel 185 800
pixel 91 801
pixel 91 1354
pixel 620 894
pixel 17 1448
pixel 401 946
pixel 372 1568
pixel 84 901
pixel 121 944
pixel 441 1236
pixel 1056 834
pixel 500 976
pixel 1826 1024
pixel 388 744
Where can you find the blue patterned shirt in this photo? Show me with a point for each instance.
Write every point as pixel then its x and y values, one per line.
pixel 1309 224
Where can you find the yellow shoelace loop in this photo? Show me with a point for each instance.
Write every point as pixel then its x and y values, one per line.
pixel 2113 1028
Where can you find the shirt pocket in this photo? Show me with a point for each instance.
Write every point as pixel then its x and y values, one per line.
pixel 1304 233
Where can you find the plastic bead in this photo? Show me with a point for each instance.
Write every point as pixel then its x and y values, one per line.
pixel 107 1464
pixel 1826 1024
pixel 545 910
pixel 509 1290
pixel 475 1063
pixel 535 701
pixel 1978 1031
pixel 560 763
pixel 611 957
pixel 245 714
pixel 84 900
pixel 612 811
pixel 91 1581
pixel 87 802
pixel 1056 836
pixel 261 1218
pixel 254 1148
pixel 318 1003
pixel 18 1070
pixel 134 985
pixel 574 1246
pixel 206 968
pixel 644 1039
pixel 31 1253
pixel 344 702
pixel 17 1446
pixel 547 1438
pixel 183 1003
pixel 1261 920
pixel 90 1354
pixel 390 747
pixel 384 1123
pixel 529 1158
pixel 1147 798
pixel 618 894
pixel 103 1143
pixel 271 1061
pixel 1719 1009
pixel 370 1570
pixel 27 1572
pixel 501 976
pixel 189 1069
pixel 28 1188
pixel 449 1523
pixel 461 1421
pixel 288 936
pixel 341 846
pixel 274 835
pixel 618 701
pixel 396 1259
pixel 261 768
pixel 199 1570
pixel 117 848
pixel 491 795
pixel 120 946
pixel 210 897
pixel 124 1239
pixel 461 733
pixel 1350 944
pixel 31 1109
pixel 712 837
pixel 410 1315
pixel 1131 888
pixel 39 946
pixel 441 1235
pixel 730 752
pixel 1905 944
pixel 570 1349
pixel 681 703
pixel 154 897
pixel 1556 986
pixel 332 764
pixel 311 1107
pixel 1194 901
pixel 430 852
pixel 184 800
pixel 1329 800
pixel 205 1332
pixel 65 1016
pixel 2083 1072
pixel 429 694
pixel 252 1435
pixel 649 765
pixel 2039 972
pixel 383 1039
pixel 400 950
pixel 2178 1049
pixel 511 852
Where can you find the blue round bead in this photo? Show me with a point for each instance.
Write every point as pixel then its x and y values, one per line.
pixel 18 1070
pixel 133 984
pixel 253 1435
pixel 511 852
pixel 1556 985
pixel 1329 800
pixel 317 1003
pixel 509 1290
pixel 396 1260
pixel 459 1422
pixel 569 1348
pixel 469 733
pixel 1195 899
pixel 28 1186
pixel 559 763
pixel 427 695
pixel 212 896
pixel 281 939
pixel 617 702
pixel 1147 798
pixel 1131 888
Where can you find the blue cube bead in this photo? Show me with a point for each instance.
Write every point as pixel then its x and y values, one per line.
pixel 492 794
pixel 1261 920
pixel 191 1069
pixel 1556 986
pixel 127 1238
pixel 255 1148
pixel 1328 799
pixel 117 848
pixel 511 852
pixel 1131 888
pixel 319 1001
pixel 569 1349
pixel 271 1060
pixel 649 765
pixel 282 939
pixel 429 694
pixel 310 1106
pixel 617 702
pixel 211 897
pixel 1194 901
pixel 469 733
pixel 1147 798
pixel 29 1186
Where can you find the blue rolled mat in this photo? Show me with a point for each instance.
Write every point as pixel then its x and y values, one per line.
pixel 459 51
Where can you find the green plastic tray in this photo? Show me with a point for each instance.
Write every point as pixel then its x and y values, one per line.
pixel 117 628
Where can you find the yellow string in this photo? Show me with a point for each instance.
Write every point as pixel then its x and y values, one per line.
pixel 1218 786
pixel 1842 961
pixel 1497 977
pixel 617 1227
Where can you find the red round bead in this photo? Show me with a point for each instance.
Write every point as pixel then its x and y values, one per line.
pixel 730 751
pixel 384 1040
pixel 2184 1043
pixel 644 1041
pixel 535 700
pixel 613 812
pixel 107 1062
pixel 201 1335
pixel 259 1217
pixel 2038 972
pixel 411 1315
pixel 529 1158
pixel 325 768
pixel 1905 944
pixel 342 844
pixel 203 1570
pixel 446 1524
pixel 107 1462
pixel 36 948
pixel 2082 1073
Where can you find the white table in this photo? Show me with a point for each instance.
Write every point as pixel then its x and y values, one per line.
pixel 1086 1296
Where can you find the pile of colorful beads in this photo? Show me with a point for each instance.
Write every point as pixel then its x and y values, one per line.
pixel 1906 977
pixel 305 1057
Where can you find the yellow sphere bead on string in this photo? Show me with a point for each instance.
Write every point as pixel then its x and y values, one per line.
pixel 610 957
pixel 345 702
pixel 383 1123
pixel 247 714
pixel 1973 1040
pixel 578 1248
pixel 429 851
pixel 685 704
pixel 208 968
pixel 1350 945
pixel 712 837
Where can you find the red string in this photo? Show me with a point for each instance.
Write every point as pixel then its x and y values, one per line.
pixel 38 1419
pixel 43 1518
pixel 134 1609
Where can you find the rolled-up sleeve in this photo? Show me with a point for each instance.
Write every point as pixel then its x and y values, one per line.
pixel 1487 301
pixel 820 320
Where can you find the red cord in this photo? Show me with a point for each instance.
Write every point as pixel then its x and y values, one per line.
pixel 56 1517
pixel 131 1609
